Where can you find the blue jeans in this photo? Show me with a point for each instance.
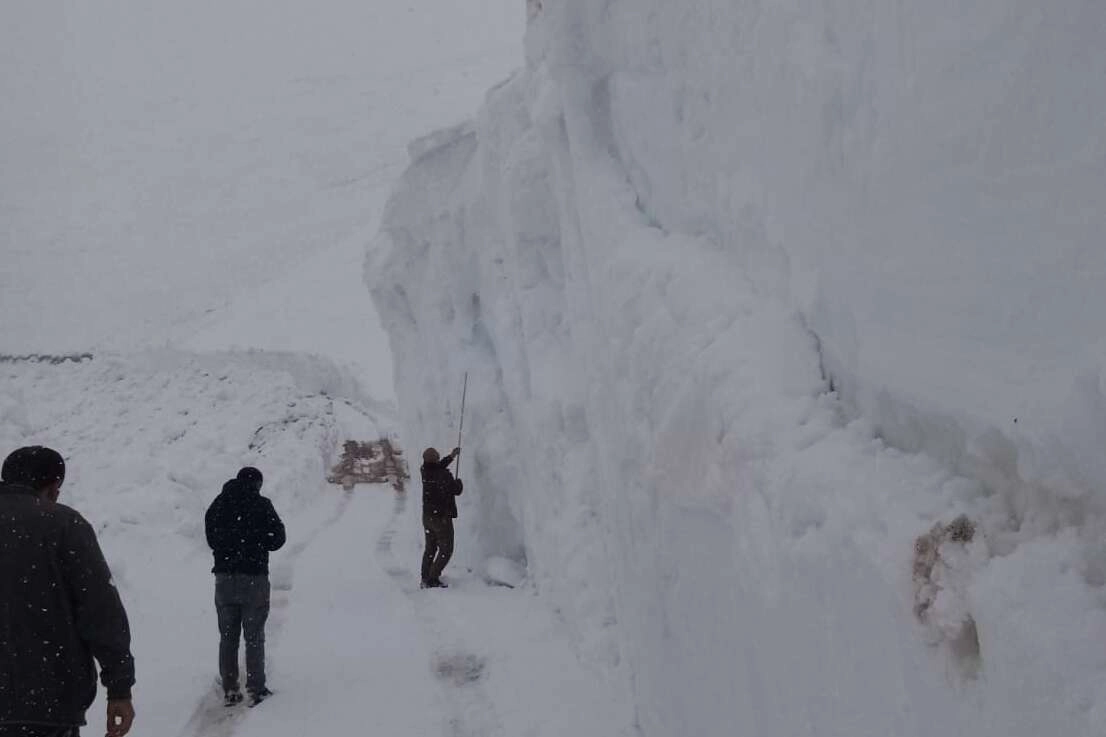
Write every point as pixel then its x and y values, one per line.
pixel 242 603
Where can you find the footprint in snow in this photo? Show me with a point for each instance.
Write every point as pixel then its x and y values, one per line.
pixel 458 669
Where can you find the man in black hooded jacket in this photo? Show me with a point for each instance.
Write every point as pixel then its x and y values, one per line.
pixel 439 509
pixel 59 610
pixel 242 529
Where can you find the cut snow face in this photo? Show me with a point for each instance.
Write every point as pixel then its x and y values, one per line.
pixel 750 300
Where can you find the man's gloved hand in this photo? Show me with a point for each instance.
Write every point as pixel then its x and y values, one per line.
pixel 120 717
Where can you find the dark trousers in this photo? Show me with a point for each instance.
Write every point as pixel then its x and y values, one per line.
pixel 242 603
pixel 37 730
pixel 439 546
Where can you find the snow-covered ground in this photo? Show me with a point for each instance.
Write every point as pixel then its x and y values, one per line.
pixel 149 439
pixel 186 193
pixel 751 297
pixel 754 296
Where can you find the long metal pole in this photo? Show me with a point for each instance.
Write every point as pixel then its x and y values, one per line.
pixel 461 424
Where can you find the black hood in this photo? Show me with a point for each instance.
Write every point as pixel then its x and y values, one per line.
pixel 236 487
pixel 251 478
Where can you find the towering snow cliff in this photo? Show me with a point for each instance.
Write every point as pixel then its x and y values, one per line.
pixel 751 298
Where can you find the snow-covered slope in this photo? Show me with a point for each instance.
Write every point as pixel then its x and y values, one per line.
pixel 753 296
pixel 206 175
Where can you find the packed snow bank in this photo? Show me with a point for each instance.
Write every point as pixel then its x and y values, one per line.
pixel 149 440
pixel 717 273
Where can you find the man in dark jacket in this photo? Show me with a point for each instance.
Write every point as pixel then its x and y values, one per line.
pixel 59 610
pixel 439 508
pixel 242 529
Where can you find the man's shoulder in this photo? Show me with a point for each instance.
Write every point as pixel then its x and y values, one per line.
pixel 266 504
pixel 52 511
pixel 64 510
pixel 63 518
pixel 69 516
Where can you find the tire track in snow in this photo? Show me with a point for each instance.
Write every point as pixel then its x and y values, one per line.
pixel 210 718
pixel 470 711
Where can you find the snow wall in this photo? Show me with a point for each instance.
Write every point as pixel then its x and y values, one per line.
pixel 750 297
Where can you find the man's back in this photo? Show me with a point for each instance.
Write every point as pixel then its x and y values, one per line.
pixel 439 490
pixel 242 529
pixel 58 609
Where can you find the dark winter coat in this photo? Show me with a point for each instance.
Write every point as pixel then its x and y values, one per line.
pixel 242 529
pixel 59 610
pixel 439 489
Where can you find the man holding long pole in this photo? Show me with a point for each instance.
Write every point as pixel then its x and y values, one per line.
pixel 439 509
pixel 439 506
